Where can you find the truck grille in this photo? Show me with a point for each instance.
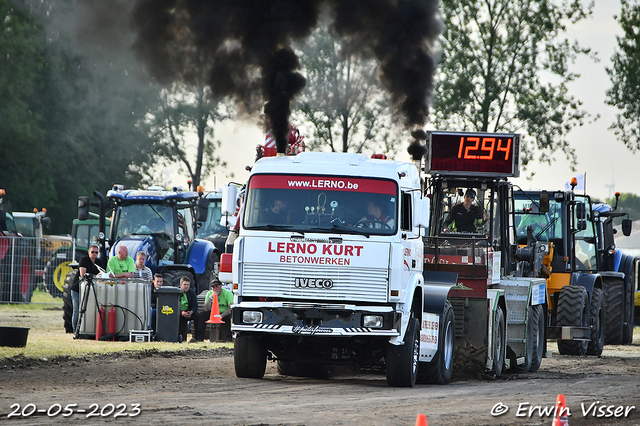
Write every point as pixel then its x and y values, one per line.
pixel 357 284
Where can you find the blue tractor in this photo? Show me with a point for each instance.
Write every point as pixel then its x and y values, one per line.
pixel 161 223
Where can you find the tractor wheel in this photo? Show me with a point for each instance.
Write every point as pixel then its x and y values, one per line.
pixel 67 301
pixel 614 311
pixel 597 312
pixel 55 272
pixel 173 278
pixel 537 320
pixel 402 360
pixel 629 305
pixel 249 356
pixel 439 370
pixel 573 311
pixel 531 341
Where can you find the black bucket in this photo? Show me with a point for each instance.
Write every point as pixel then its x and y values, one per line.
pixel 15 337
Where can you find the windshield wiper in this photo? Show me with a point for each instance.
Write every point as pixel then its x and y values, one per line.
pixel 345 229
pixel 272 227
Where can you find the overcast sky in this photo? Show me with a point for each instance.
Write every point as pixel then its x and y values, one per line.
pixel 609 165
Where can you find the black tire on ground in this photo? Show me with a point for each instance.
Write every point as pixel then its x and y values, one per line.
pixel 173 277
pixel 629 306
pixel 402 360
pixel 67 302
pixel 299 369
pixel 614 311
pixel 573 310
pixel 499 343
pixel 597 311
pixel 439 370
pixel 249 356
pixel 528 355
pixel 537 321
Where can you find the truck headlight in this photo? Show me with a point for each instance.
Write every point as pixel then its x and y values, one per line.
pixel 372 321
pixel 252 317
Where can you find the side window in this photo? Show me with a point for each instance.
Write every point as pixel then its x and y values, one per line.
pixel 406 223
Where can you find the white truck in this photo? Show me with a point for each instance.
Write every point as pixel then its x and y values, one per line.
pixel 327 269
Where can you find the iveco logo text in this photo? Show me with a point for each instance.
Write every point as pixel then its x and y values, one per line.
pixel 314 283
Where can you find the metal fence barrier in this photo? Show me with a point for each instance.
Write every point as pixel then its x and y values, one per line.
pixel 30 262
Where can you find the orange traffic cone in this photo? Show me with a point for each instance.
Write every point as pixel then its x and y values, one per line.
pixel 561 412
pixel 215 317
pixel 421 420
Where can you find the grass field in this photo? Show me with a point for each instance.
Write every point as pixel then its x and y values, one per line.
pixel 47 337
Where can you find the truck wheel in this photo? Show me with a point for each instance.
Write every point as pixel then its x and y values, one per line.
pixel 573 311
pixel 402 361
pixel 629 306
pixel 439 370
pixel 173 278
pixel 596 343
pixel 614 309
pixel 499 343
pixel 537 320
pixel 249 356
pixel 514 367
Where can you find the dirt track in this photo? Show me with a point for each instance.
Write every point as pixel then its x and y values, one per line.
pixel 198 386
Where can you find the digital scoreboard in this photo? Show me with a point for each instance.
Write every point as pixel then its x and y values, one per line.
pixel 473 153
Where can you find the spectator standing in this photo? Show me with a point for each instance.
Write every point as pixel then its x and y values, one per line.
pixel 142 271
pixel 121 266
pixel 87 265
pixel 188 306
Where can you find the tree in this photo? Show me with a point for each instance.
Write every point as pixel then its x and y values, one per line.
pixel 505 67
pixel 343 100
pixel 625 77
pixel 185 110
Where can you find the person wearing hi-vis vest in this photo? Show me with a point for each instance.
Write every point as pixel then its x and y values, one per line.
pixel 225 299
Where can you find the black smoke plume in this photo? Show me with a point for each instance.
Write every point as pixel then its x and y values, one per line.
pixel 242 48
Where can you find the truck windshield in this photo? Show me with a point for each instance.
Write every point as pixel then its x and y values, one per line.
pixel 321 204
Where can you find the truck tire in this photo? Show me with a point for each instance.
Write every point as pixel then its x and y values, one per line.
pixel 249 356
pixel 537 320
pixel 596 344
pixel 573 311
pixel 67 303
pixel 402 360
pixel 532 337
pixel 499 343
pixel 629 297
pixel 614 311
pixel 439 370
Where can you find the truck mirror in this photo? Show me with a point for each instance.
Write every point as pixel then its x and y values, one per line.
pixel 46 221
pixel 626 227
pixel 582 225
pixel 544 202
pixel 580 211
pixel 229 196
pixel 83 207
pixel 203 209
pixel 424 213
pixel 3 219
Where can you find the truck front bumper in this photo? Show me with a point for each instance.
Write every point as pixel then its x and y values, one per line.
pixel 314 319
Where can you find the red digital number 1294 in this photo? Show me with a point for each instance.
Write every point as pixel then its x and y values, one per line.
pixel 476 148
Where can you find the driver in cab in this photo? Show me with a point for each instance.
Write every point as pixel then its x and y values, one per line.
pixel 466 216
pixel 376 218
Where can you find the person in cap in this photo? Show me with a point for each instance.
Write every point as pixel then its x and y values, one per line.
pixel 225 299
pixel 466 216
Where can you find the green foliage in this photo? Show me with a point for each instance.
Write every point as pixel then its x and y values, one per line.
pixel 343 100
pixel 627 203
pixel 505 67
pixel 625 77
